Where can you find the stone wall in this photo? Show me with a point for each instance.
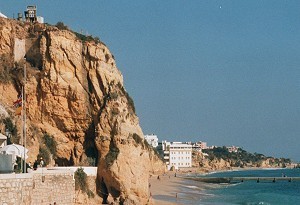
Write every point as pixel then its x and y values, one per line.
pixel 41 187
pixel 15 189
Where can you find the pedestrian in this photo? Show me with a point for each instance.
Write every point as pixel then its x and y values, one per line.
pixel 41 162
pixel 35 165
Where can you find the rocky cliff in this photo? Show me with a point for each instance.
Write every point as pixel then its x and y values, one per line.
pixel 220 158
pixel 75 94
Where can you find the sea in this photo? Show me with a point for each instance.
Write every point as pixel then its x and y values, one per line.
pixel 242 193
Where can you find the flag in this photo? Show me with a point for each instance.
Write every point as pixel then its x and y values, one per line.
pixel 18 105
pixel 18 102
pixel 18 110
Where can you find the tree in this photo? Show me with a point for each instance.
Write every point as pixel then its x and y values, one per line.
pixel 61 26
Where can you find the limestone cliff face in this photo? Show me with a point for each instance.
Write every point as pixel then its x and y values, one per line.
pixel 75 92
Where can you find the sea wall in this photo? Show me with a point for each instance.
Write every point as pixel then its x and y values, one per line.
pixel 41 187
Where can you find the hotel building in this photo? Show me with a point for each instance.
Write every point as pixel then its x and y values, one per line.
pixel 177 154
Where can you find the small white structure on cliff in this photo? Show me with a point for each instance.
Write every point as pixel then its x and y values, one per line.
pixel 177 154
pixel 152 140
pixel 31 15
pixel 2 15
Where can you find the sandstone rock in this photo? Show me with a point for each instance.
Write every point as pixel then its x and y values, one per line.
pixel 75 93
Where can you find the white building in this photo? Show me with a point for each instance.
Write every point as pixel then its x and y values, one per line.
pixel 232 149
pixel 177 154
pixel 40 19
pixel 152 140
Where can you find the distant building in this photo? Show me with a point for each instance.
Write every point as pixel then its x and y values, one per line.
pixel 30 14
pixel 212 147
pixel 232 149
pixel 202 145
pixel 152 140
pixel 177 154
pixel 199 146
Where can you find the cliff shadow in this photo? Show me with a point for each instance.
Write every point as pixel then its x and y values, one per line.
pixel 89 147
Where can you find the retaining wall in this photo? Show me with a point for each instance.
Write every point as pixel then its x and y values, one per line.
pixel 41 187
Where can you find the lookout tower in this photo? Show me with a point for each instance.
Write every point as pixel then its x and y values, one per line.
pixel 30 14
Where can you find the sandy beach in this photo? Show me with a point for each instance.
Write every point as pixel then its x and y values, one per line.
pixel 167 190
pixel 164 189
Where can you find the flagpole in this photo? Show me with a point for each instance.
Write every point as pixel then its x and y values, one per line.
pixel 24 115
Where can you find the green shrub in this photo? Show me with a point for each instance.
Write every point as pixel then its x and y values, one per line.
pixel 9 125
pixel 5 76
pixel 90 193
pixel 61 26
pixel 50 143
pixel 114 111
pixel 112 155
pixel 137 138
pixel 87 38
pixel 114 95
pixel 80 180
pixel 130 103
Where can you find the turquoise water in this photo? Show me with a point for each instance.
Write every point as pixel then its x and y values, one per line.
pixel 245 193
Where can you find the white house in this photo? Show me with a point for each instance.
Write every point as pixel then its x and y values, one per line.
pixel 152 140
pixel 177 154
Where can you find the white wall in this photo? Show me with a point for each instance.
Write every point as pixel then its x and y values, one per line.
pixel 19 49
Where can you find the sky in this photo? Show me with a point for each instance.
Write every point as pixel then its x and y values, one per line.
pixel 221 71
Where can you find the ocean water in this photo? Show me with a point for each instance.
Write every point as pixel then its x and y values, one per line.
pixel 243 193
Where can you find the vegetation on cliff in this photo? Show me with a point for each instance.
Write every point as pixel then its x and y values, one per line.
pixel 12 129
pixel 81 183
pixel 84 38
pixel 242 158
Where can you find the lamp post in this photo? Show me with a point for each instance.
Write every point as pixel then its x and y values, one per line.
pixel 8 135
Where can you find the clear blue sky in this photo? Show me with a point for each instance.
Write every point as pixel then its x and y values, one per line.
pixel 225 72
